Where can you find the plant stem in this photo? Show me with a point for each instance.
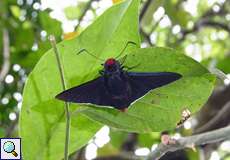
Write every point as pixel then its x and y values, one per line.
pixel 53 43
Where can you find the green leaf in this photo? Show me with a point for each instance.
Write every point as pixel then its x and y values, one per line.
pixel 177 14
pixel 223 64
pixel 15 11
pixel 51 26
pixel 20 42
pixel 29 59
pixel 42 122
pixel 2 131
pixel 161 108
pixel 73 12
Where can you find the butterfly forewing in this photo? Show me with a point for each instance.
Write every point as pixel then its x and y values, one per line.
pixel 91 92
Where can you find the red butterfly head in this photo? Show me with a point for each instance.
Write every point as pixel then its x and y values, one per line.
pixel 111 65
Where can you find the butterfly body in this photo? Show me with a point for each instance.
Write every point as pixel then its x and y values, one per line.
pixel 116 87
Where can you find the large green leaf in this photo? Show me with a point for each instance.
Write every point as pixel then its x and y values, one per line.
pixel 42 122
pixel 161 108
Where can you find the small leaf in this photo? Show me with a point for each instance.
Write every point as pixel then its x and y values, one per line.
pixel 15 11
pixel 73 12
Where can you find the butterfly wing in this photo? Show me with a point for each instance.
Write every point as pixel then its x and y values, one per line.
pixel 93 92
pixel 141 83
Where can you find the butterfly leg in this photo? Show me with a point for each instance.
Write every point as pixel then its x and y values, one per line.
pixel 101 72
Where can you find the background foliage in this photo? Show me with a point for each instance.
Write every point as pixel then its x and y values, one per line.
pixel 199 29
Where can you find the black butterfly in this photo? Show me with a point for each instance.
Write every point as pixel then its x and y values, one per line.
pixel 116 87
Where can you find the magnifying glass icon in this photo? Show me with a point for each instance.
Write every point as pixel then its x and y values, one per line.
pixel 9 147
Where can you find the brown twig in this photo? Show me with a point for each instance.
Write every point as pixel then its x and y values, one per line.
pixel 218 99
pixel 146 36
pixel 80 154
pixel 6 55
pixel 217 25
pixel 221 116
pixel 191 141
pixel 144 9
pixel 87 7
pixel 211 12
pixel 205 21
pixel 201 24
pixel 129 145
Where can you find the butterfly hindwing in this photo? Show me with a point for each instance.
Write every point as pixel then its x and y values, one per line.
pixel 141 83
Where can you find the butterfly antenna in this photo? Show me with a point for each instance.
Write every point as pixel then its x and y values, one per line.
pixel 126 45
pixel 86 51
pixel 132 67
pixel 122 61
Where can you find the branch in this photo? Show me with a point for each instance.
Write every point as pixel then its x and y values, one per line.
pixel 80 154
pixel 144 9
pixel 218 100
pixel 220 118
pixel 130 143
pixel 88 5
pixel 147 35
pixel 6 55
pixel 211 12
pixel 191 141
pixel 201 24
pixel 205 21
pixel 219 74
pixel 214 24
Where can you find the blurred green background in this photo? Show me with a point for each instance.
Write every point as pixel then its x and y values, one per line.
pixel 199 28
